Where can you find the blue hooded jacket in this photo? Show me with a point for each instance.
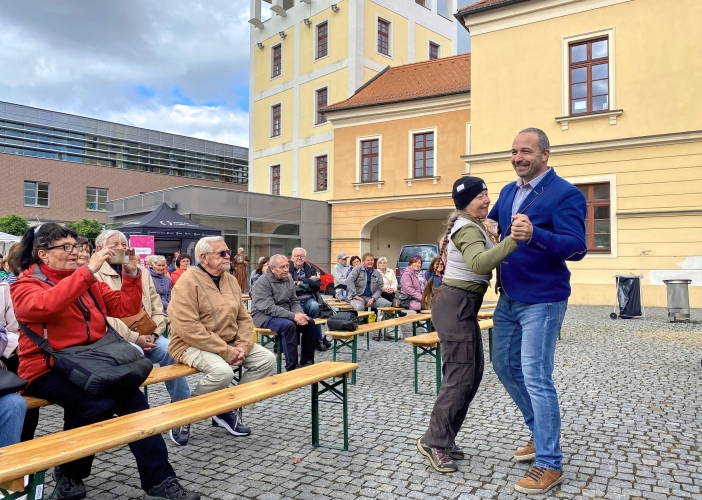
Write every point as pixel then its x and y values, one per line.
pixel 536 273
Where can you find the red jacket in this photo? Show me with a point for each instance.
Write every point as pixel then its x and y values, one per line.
pixel 175 275
pixel 38 304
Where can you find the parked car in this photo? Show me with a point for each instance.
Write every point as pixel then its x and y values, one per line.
pixel 326 280
pixel 425 251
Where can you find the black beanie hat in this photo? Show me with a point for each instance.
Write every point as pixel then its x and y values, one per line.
pixel 465 189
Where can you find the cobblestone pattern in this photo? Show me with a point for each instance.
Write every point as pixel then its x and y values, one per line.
pixel 630 393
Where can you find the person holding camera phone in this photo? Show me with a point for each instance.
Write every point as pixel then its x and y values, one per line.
pixel 135 329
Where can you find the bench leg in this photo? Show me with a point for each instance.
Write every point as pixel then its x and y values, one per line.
pixel 265 340
pixel 33 491
pixel 146 393
pixel 434 352
pixel 353 345
pixel 341 397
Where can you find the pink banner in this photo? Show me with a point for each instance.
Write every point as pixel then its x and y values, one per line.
pixel 143 245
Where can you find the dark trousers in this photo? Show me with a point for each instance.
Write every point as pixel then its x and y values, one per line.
pixel 454 315
pixel 150 453
pixel 31 418
pixel 291 333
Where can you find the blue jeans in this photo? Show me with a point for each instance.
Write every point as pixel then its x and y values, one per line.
pixel 311 309
pixel 12 410
pixel 293 335
pixel 177 388
pixel 524 347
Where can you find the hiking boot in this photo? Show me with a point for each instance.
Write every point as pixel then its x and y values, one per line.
pixel 455 452
pixel 538 480
pixel 439 458
pixel 320 345
pixel 68 488
pixel 180 435
pixel 231 421
pixel 327 342
pixel 170 489
pixel 527 453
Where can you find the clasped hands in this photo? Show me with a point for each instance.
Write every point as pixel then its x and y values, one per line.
pixel 522 229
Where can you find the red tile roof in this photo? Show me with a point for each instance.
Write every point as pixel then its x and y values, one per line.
pixel 445 76
pixel 485 5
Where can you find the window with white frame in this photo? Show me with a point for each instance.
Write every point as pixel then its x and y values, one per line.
pixel 434 49
pixel 36 194
pixel 275 180
pixel 96 199
pixel 276 60
pixel 320 102
pixel 589 74
pixel 276 120
pixel 370 160
pixel 423 157
pixel 322 40
pixel 383 37
pixel 321 173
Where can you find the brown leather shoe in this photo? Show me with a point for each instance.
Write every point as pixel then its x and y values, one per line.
pixel 527 453
pixel 538 480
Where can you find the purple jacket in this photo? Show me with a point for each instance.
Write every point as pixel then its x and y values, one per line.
pixel 163 288
pixel 410 285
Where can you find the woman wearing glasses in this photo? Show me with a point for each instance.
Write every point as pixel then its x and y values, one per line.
pixel 470 252
pixel 66 302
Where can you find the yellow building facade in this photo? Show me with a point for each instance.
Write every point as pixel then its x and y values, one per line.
pixel 308 55
pixel 415 134
pixel 614 85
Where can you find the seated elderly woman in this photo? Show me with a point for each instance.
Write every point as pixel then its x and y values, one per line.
pixel 389 279
pixel 183 261
pixel 161 279
pixel 413 282
pixel 67 304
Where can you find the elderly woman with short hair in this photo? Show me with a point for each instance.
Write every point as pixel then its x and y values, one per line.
pixel 162 281
pixel 182 264
pixel 389 279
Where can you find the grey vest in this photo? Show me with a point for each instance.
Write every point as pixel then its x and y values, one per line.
pixel 456 268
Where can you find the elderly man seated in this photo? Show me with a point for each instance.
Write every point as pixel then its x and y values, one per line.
pixel 307 284
pixel 153 344
pixel 211 330
pixel 276 307
pixel 365 284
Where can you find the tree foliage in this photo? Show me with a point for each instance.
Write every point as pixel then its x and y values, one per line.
pixel 87 228
pixel 14 224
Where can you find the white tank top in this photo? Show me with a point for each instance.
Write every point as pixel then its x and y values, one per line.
pixel 456 267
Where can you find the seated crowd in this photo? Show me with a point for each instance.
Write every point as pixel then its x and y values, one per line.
pixel 74 295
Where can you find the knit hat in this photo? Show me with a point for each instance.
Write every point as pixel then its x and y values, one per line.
pixel 465 189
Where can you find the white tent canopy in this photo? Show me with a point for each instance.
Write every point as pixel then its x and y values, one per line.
pixel 6 241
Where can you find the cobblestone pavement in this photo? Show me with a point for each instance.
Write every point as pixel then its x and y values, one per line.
pixel 631 400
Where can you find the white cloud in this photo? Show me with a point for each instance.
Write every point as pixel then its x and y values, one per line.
pixel 206 122
pixel 133 61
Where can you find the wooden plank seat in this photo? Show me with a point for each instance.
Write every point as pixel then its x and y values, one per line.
pixel 428 344
pixel 267 336
pixel 158 374
pixel 35 456
pixel 350 339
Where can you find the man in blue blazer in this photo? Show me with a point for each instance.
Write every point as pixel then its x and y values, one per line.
pixel 548 212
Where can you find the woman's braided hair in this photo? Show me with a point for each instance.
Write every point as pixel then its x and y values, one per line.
pixel 428 296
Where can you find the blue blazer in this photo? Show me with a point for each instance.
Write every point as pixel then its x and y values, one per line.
pixel 536 272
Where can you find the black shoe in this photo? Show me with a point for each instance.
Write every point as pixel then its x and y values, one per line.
pixel 232 421
pixel 180 435
pixel 327 342
pixel 320 345
pixel 68 488
pixel 309 363
pixel 170 489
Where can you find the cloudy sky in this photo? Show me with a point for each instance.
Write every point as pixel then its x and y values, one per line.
pixel 178 66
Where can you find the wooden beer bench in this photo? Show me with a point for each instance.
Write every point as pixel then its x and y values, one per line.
pixel 350 339
pixel 428 344
pixel 34 457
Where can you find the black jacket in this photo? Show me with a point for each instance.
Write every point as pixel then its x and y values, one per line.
pixel 308 285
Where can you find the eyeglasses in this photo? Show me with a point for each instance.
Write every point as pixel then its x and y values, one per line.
pixel 68 248
pixel 298 256
pixel 223 253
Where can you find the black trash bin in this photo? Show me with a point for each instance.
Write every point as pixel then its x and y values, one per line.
pixel 629 297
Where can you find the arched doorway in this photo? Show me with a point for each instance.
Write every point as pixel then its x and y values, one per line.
pixel 385 234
